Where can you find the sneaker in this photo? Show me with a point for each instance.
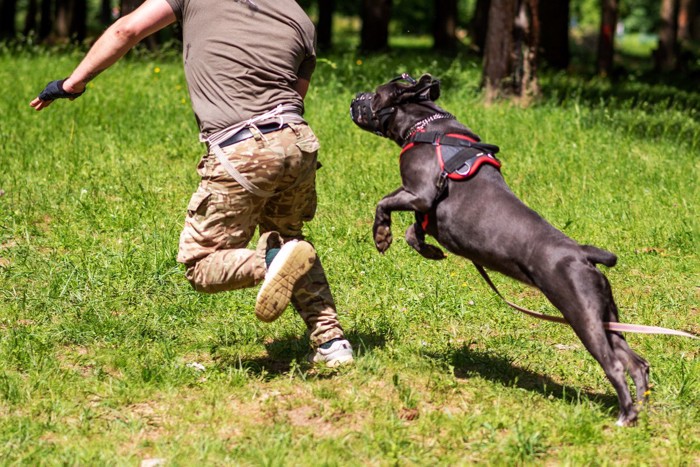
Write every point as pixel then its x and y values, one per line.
pixel 287 266
pixel 333 353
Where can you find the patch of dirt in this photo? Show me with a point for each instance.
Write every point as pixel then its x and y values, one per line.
pixel 7 245
pixel 69 359
pixel 148 412
pixel 152 414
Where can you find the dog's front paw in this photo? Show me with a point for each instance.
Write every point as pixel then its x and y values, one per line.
pixel 382 238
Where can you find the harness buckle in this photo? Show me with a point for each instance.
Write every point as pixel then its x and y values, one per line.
pixel 441 183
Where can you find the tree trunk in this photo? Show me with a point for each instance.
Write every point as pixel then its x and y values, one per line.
pixel 46 19
pixel 527 33
pixel 445 26
pixel 498 50
pixel 375 25
pixel 106 12
pixel 78 23
pixel 324 29
pixel 684 17
pixel 694 21
pixel 62 20
pixel 8 11
pixel 554 33
pixel 479 25
pixel 666 54
pixel 606 38
pixel 30 19
pixel 127 6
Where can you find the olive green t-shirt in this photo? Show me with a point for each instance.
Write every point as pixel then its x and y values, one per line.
pixel 242 57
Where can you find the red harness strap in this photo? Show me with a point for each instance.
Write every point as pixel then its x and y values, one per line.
pixel 460 167
pixel 469 167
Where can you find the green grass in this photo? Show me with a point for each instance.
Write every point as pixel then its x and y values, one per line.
pixel 99 328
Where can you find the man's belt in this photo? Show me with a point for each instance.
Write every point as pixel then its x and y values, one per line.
pixel 245 133
pixel 240 131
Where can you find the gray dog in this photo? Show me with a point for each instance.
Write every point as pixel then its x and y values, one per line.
pixel 451 180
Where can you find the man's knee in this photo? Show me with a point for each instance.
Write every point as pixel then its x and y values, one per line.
pixel 224 271
pixel 192 277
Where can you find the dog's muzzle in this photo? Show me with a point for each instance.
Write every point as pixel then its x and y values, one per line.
pixel 362 114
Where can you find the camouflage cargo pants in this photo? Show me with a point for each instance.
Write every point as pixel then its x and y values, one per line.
pixel 222 217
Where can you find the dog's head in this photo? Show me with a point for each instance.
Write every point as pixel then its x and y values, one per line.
pixel 375 111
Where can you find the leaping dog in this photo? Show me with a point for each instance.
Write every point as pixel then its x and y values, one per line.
pixel 452 181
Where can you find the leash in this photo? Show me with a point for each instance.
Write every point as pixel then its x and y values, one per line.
pixel 618 327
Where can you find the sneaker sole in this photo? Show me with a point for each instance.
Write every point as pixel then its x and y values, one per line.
pixel 336 362
pixel 345 360
pixel 276 292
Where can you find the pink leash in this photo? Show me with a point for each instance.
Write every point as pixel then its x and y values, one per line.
pixel 619 327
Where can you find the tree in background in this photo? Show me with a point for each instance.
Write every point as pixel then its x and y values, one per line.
pixel 666 54
pixel 374 35
pixel 510 54
pixel 677 23
pixel 8 11
pixel 689 21
pixel 554 33
pixel 105 12
pixel 324 28
pixel 127 6
pixel 606 37
pixel 445 25
pixel 479 25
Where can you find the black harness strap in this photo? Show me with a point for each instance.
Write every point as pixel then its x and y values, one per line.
pixel 454 162
pixel 482 147
pixel 426 137
pixel 455 153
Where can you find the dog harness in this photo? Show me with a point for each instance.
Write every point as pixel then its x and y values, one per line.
pixel 460 157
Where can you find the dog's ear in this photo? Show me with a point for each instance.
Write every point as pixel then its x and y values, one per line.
pixel 425 89
pixel 428 87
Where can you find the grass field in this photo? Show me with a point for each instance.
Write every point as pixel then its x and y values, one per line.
pixel 100 332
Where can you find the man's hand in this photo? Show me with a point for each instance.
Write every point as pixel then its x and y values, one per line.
pixel 118 39
pixel 54 90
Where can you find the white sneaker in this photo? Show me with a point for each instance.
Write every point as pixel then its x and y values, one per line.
pixel 339 353
pixel 295 258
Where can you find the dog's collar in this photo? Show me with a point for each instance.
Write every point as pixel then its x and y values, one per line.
pixel 423 123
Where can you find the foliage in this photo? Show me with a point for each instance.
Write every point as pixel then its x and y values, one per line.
pixel 638 16
pixel 99 330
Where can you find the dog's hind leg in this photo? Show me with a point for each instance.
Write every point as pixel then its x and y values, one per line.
pixel 415 237
pixel 582 299
pixel 596 340
pixel 636 366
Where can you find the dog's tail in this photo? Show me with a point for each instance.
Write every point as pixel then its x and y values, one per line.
pixel 598 256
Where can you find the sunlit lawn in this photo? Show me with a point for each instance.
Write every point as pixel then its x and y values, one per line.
pixel 99 330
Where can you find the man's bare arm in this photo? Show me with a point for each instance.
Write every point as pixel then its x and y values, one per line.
pixel 116 41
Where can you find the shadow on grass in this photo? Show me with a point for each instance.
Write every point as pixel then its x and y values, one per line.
pixel 655 90
pixel 468 363
pixel 283 354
